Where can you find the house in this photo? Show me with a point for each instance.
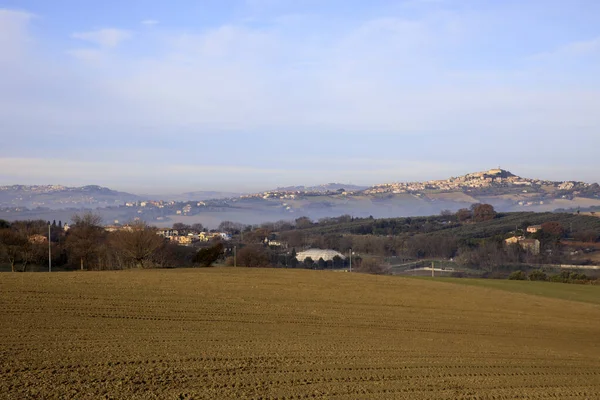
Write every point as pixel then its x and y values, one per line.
pixel 167 232
pixel 185 240
pixel 513 239
pixel 275 243
pixel 37 239
pixel 534 228
pixel 530 245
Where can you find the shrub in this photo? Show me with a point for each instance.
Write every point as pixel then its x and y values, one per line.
pixel 517 276
pixel 538 275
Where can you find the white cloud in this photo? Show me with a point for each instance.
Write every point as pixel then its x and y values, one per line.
pixel 149 22
pixel 107 38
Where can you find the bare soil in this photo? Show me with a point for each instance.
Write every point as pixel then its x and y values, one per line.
pixel 228 333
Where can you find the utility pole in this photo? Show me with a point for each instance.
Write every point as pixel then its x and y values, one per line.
pixel 235 256
pixel 350 260
pixel 432 270
pixel 49 249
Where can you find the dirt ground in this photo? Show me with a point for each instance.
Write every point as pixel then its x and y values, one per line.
pixel 229 333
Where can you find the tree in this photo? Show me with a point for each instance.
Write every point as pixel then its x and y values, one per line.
pixel 463 214
pixel 303 222
pixel 483 212
pixel 14 247
pixel 230 227
pixel 254 256
pixel 197 227
pixel 257 235
pixel 338 262
pixel 321 263
pixel 553 228
pixel 208 255
pixel 308 262
pixel 372 266
pixel 137 245
pixel 85 238
pixel 587 236
pixel 294 238
pixel 181 227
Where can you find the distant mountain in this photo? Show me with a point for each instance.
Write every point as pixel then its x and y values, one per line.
pixel 58 196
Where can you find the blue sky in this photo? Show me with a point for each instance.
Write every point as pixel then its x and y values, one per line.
pixel 162 97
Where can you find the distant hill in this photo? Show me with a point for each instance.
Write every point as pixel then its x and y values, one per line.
pixel 198 195
pixel 58 196
pixel 329 187
pixel 504 190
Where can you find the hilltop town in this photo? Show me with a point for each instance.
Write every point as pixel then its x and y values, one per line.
pixel 505 190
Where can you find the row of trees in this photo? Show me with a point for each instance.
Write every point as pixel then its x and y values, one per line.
pixel 87 245
pixel 562 277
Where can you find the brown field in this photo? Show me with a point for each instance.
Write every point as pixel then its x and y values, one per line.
pixel 284 334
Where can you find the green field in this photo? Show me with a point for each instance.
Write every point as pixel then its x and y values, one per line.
pixel 574 292
pixel 237 333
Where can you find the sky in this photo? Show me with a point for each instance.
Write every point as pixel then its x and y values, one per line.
pixel 150 96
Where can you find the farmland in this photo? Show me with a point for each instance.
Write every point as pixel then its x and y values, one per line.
pixel 288 334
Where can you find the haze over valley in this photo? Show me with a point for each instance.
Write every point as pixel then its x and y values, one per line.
pixel 504 190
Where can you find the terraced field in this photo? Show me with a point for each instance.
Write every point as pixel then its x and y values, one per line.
pixel 284 334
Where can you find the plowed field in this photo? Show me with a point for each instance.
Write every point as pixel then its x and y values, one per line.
pixel 284 334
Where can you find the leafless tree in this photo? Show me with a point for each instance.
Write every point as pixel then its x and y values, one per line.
pixel 254 256
pixel 373 265
pixel 85 237
pixel 138 245
pixel 14 247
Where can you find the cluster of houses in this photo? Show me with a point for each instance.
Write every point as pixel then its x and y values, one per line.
pixel 530 245
pixel 474 180
pixel 191 237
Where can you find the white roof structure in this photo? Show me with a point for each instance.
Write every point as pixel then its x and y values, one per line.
pixel 316 254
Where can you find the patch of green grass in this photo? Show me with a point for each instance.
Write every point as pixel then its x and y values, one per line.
pixel 564 291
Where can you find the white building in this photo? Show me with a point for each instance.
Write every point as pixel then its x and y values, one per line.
pixel 316 254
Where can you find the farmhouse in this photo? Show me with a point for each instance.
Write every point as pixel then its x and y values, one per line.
pixel 530 245
pixel 534 228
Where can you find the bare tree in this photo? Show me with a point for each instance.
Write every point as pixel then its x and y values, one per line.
pixel 373 265
pixel 254 256
pixel 463 214
pixel 85 237
pixel 137 245
pixel 14 247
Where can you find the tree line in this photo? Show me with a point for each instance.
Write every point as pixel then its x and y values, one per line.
pixel 87 245
pixel 472 237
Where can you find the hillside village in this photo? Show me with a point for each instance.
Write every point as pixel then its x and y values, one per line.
pixel 507 191
pixel 493 178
